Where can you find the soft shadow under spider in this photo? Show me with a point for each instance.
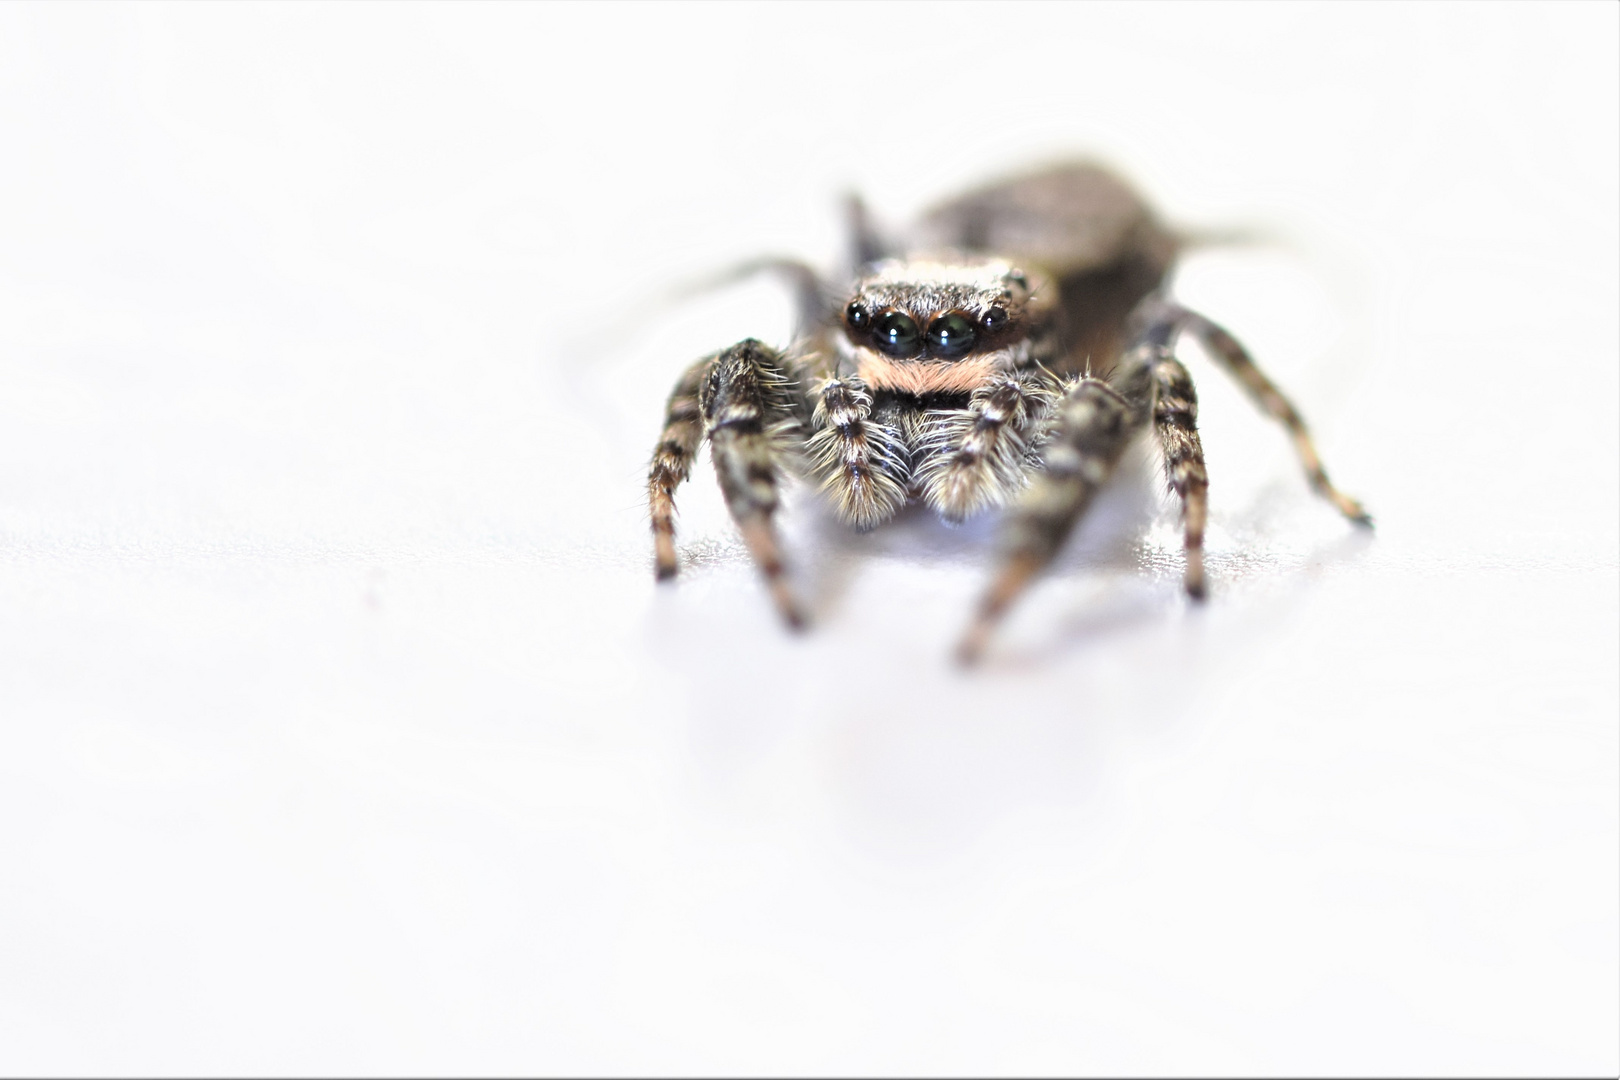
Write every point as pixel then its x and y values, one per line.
pixel 832 554
pixel 1126 609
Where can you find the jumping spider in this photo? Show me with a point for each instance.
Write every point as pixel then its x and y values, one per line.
pixel 1007 350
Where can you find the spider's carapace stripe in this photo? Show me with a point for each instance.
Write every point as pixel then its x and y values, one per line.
pixel 924 377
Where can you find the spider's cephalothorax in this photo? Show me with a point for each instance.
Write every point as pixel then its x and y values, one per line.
pixel 1008 349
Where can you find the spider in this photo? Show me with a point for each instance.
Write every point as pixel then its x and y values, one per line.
pixel 1005 350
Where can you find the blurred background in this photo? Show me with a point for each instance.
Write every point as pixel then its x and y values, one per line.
pixel 342 727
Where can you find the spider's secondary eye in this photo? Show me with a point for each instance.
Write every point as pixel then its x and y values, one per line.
pixel 857 316
pixel 896 333
pixel 994 319
pixel 950 335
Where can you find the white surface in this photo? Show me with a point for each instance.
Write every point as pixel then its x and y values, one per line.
pixel 344 728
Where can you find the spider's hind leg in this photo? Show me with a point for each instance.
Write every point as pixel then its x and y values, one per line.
pixel 866 243
pixel 1235 359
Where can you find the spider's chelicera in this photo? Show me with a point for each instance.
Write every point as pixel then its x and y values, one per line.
pixel 1006 350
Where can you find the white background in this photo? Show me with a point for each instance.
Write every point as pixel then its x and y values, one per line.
pixel 344 728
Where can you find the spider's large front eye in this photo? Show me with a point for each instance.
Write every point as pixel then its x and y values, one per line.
pixel 950 335
pixel 896 333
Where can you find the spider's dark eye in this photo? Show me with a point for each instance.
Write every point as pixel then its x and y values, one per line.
pixel 993 320
pixel 896 333
pixel 950 335
pixel 858 317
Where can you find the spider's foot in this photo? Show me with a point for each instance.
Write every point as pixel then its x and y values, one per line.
pixel 761 543
pixel 787 605
pixel 1193 578
pixel 663 556
pixel 1350 508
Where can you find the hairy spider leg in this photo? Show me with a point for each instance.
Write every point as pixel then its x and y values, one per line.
pixel 975 458
pixel 1235 358
pixel 1095 423
pixel 864 464
pixel 1087 443
pixel 750 412
pixel 812 297
pixel 672 462
pixel 1175 422
pixel 866 244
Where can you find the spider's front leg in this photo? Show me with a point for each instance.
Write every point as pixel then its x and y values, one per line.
pixel 743 400
pixel 672 462
pixel 1094 424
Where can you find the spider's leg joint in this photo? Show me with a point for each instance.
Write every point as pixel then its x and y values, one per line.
pixel 747 399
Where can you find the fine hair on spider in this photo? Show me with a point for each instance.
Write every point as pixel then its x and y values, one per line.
pixel 1003 351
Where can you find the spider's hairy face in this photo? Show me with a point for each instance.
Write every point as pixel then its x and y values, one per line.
pixel 924 327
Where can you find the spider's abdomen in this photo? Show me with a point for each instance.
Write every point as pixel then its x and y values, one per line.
pixel 1099 242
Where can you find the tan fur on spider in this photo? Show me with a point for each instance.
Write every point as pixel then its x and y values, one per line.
pixel 924 377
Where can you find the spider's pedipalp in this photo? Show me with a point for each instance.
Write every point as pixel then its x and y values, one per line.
pixel 975 458
pixel 864 464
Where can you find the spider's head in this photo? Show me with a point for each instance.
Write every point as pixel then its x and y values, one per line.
pixel 921 327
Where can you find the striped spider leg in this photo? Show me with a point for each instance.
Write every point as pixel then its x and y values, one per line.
pixel 1097 420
